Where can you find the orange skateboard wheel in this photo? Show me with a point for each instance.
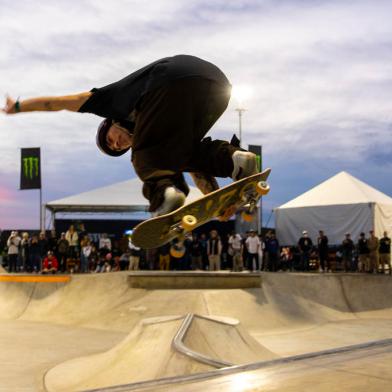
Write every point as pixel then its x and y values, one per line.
pixel 189 222
pixel 262 188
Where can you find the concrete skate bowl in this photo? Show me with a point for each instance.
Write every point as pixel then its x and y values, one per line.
pixel 150 352
pixel 288 314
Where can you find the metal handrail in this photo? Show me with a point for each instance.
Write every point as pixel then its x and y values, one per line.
pixel 178 344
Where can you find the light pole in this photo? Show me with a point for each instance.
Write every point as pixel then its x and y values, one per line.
pixel 240 111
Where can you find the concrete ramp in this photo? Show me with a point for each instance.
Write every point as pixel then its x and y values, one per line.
pixel 285 314
pixel 149 352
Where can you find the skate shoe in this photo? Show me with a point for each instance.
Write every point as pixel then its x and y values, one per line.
pixel 245 165
pixel 173 198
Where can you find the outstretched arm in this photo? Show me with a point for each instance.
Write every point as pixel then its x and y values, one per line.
pixel 46 104
pixel 205 182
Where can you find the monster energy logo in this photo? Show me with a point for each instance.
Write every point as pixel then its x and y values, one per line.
pixel 258 161
pixel 31 167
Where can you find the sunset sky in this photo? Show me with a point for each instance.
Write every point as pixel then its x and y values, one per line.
pixel 319 76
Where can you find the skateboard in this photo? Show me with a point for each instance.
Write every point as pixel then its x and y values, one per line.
pixel 222 204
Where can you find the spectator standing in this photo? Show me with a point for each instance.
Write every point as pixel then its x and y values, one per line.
pixel 43 246
pixel 204 256
pixel 164 257
pixel 50 264
pixel 134 258
pixel 13 244
pixel 253 245
pixel 105 242
pixel 363 254
pixel 348 248
pixel 25 252
pixel 73 240
pixel 385 253
pixel 235 249
pixel 322 245
pixel 85 253
pixel 273 249
pixel 265 259
pixel 82 232
pixel 196 253
pixel 373 245
pixel 62 252
pixel 305 246
pixel 214 250
pixel 52 242
pixel 35 254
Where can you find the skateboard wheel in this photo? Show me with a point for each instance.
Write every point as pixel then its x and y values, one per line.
pixel 262 188
pixel 247 217
pixel 189 222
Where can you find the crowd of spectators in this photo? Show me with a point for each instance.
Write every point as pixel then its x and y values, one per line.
pixel 78 251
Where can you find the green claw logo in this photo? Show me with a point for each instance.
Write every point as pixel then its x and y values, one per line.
pixel 258 160
pixel 31 167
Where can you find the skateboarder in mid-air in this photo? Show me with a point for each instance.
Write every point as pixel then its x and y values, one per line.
pixel 162 111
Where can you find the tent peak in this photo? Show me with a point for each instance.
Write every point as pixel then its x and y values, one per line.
pixel 342 188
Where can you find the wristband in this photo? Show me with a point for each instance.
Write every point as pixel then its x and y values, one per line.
pixel 17 106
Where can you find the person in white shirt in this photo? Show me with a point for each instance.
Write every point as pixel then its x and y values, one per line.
pixel 134 258
pixel 73 241
pixel 105 242
pixel 235 250
pixel 13 244
pixel 253 245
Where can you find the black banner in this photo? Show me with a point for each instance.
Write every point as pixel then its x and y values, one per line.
pixel 257 150
pixel 30 173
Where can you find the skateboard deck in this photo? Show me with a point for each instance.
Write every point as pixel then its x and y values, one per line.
pixel 223 202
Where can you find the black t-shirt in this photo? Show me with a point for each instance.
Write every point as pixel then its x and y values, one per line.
pixel 117 100
pixel 385 245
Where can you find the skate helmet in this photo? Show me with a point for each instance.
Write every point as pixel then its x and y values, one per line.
pixel 102 132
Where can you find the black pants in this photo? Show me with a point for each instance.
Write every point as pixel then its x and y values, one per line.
pixel 251 257
pixel 170 125
pixel 12 263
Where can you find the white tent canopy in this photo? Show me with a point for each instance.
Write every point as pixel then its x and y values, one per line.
pixel 342 204
pixel 125 197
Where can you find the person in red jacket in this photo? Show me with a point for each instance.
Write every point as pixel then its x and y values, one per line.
pixel 50 264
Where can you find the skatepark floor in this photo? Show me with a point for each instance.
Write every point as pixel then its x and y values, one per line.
pixel 288 332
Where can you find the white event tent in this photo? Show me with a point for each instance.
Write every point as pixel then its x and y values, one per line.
pixel 341 204
pixel 122 197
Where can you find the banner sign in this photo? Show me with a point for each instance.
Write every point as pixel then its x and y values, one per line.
pixel 257 150
pixel 30 173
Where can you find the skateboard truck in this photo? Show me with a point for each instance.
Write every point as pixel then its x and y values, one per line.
pixel 262 188
pixel 188 223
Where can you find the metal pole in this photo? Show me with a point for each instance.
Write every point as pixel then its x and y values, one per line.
pixel 261 198
pixel 41 225
pixel 240 111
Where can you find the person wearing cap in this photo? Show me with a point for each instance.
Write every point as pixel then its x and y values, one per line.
pixel 162 112
pixel 253 245
pixel 363 253
pixel 305 245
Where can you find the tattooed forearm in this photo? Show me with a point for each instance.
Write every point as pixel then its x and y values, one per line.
pixel 206 183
